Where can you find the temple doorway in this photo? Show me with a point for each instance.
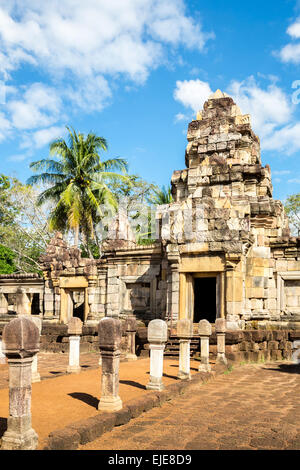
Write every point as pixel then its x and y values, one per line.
pixel 76 303
pixel 205 301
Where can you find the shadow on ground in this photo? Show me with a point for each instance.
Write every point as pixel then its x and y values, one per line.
pixel 177 366
pixel 133 384
pixel 290 368
pixel 86 398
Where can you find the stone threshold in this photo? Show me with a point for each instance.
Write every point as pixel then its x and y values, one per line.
pixel 87 430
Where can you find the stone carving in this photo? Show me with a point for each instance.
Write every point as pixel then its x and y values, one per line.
pixel 35 374
pixel 131 326
pixel 185 328
pixel 157 331
pixel 204 329
pixel 75 326
pixel 220 326
pixel 110 335
pixel 74 332
pixel 20 344
pixel 184 332
pixel 23 304
pixel 157 337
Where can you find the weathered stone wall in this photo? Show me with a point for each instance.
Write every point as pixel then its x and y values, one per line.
pixel 54 338
pixel 223 223
pixel 135 284
pixel 257 345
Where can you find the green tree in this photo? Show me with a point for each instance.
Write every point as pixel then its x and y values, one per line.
pixel 77 181
pixel 292 208
pixel 23 225
pixel 162 196
pixel 136 195
pixel 7 265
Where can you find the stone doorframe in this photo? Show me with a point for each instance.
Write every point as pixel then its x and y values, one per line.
pixel 68 285
pixel 281 277
pixel 186 293
pixel 124 280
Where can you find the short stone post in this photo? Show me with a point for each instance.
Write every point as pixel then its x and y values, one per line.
pixel 220 325
pixel 2 355
pixel 157 337
pixel 204 330
pixel 23 304
pixel 184 333
pixel 296 352
pixel 110 336
pixel 131 331
pixel 74 332
pixel 3 304
pixel 20 344
pixel 35 377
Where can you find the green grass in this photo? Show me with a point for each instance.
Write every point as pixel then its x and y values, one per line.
pixel 229 369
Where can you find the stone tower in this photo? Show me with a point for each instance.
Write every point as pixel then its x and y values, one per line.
pixel 224 220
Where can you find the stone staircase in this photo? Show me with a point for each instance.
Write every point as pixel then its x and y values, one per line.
pixel 172 346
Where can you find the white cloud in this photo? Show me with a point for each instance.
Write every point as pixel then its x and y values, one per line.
pixel 85 48
pixel 182 117
pixel 42 137
pixel 45 136
pixel 270 108
pixel 284 139
pixel 294 29
pixel 18 157
pixel 93 95
pixel 294 180
pixel 97 37
pixel 39 106
pixel 291 52
pixel 281 172
pixel 192 93
pixel 5 127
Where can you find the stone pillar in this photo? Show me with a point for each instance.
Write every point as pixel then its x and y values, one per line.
pixel 184 333
pixel 157 337
pixel 131 331
pixel 110 335
pixel 35 376
pixel 23 304
pixel 296 352
pixel 3 304
pixel 204 330
pixel 21 343
pixel 2 356
pixel 220 325
pixel 74 332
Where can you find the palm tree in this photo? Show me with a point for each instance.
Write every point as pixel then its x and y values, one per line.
pixel 162 196
pixel 78 183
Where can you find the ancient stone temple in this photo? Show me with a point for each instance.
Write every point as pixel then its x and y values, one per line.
pixel 223 248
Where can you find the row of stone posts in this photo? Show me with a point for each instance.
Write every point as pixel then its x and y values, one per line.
pixel 21 344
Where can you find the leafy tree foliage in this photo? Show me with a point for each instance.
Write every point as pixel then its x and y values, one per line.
pixel 77 181
pixel 162 196
pixel 7 265
pixel 292 208
pixel 23 225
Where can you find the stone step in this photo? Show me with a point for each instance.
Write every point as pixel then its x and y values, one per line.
pixel 173 346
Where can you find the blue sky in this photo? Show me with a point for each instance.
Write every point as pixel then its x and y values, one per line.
pixel 136 72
